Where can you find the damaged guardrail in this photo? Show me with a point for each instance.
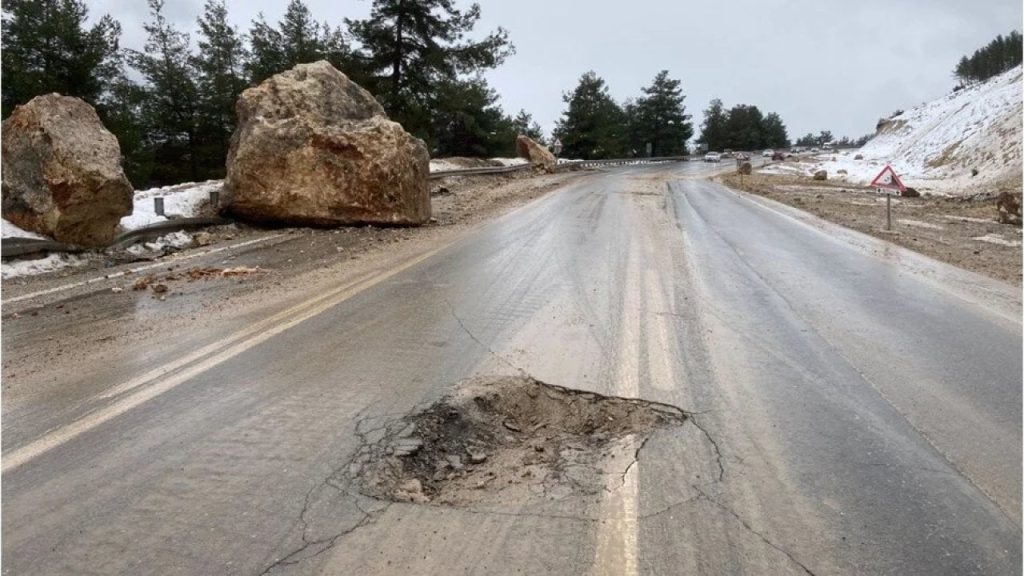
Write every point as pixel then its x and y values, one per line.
pixel 11 247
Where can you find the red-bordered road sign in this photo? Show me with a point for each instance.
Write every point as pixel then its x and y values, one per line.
pixel 888 179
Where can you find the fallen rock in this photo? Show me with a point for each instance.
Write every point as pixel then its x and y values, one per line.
pixel 745 168
pixel 203 239
pixel 314 148
pixel 841 171
pixel 1008 206
pixel 62 174
pixel 910 193
pixel 858 157
pixel 820 175
pixel 536 153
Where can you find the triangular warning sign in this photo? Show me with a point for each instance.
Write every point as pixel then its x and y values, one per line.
pixel 888 179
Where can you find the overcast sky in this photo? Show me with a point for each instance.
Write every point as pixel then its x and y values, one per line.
pixel 821 64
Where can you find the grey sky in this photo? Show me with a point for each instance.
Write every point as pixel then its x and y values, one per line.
pixel 821 64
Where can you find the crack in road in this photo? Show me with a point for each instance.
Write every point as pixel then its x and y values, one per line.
pixel 474 338
pixel 746 525
pixel 691 416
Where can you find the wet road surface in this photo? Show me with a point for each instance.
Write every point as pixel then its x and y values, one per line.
pixel 854 408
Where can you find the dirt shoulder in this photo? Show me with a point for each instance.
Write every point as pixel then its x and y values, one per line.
pixel 963 232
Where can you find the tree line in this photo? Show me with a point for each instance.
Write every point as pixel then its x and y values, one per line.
pixel 811 140
pixel 742 127
pixel 595 126
pixel 171 104
pixel 993 59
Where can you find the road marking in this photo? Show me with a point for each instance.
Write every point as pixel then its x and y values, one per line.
pixel 139 269
pixel 618 534
pixel 177 372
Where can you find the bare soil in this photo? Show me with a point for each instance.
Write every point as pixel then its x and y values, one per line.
pixel 964 232
pixel 507 439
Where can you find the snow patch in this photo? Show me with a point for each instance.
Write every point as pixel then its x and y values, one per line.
pixel 919 224
pixel 177 239
pixel 181 200
pixel 50 263
pixel 937 145
pixel 997 239
pixel 9 230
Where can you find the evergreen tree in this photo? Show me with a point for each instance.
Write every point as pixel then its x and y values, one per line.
pixel 468 122
pixel 170 103
pixel 298 39
pixel 46 47
pixel 660 118
pixel 266 55
pixel 808 140
pixel 524 124
pixel 824 137
pixel 593 126
pixel 743 130
pixel 221 78
pixel 409 47
pixel 713 129
pixel 773 131
pixel 996 57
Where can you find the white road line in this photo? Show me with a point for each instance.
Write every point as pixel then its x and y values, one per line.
pixel 139 269
pixel 174 373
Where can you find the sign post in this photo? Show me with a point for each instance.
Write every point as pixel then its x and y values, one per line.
pixel 889 181
pixel 556 147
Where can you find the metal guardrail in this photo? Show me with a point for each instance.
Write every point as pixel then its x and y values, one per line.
pixel 561 165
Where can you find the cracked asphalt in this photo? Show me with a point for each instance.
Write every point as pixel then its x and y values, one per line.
pixel 853 408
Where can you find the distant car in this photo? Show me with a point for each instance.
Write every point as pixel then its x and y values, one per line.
pixel 797 149
pixel 712 157
pixel 779 155
pixel 768 153
pixel 727 153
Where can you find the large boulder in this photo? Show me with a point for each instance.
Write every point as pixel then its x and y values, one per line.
pixel 314 148
pixel 537 154
pixel 744 167
pixel 1008 207
pixel 62 174
pixel 820 175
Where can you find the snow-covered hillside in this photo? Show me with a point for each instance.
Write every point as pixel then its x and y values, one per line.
pixel 936 146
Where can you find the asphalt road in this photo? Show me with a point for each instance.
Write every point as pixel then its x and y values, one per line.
pixel 856 409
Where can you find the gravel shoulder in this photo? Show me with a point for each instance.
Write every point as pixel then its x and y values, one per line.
pixel 963 232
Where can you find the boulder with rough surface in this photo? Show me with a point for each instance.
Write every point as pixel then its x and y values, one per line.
pixel 536 153
pixel 820 175
pixel 1008 207
pixel 62 173
pixel 745 167
pixel 314 148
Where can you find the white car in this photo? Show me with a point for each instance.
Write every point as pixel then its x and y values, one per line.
pixel 712 157
pixel 767 153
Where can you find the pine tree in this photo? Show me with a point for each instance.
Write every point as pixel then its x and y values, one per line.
pixel 221 78
pixel 409 47
pixel 46 47
pixel 713 129
pixel 660 117
pixel 298 39
pixel 170 105
pixel 743 130
pixel 593 125
pixel 524 124
pixel 773 131
pixel 468 122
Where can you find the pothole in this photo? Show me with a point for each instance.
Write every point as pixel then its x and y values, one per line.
pixel 508 439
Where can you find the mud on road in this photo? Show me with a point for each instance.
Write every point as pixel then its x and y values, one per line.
pixel 963 232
